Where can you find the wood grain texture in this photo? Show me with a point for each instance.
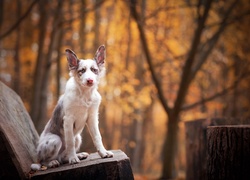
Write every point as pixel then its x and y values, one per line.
pixel 94 167
pixel 196 143
pixel 18 134
pixel 228 152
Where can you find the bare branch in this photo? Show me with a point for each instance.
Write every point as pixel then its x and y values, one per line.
pixel 166 8
pixel 144 43
pixel 18 22
pixel 185 80
pixel 199 9
pixel 96 5
pixel 210 44
pixel 232 20
pixel 219 94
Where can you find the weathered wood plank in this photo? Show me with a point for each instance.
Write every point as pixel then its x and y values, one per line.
pixel 18 135
pixel 94 167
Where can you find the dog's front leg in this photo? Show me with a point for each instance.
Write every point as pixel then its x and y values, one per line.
pixel 92 125
pixel 70 152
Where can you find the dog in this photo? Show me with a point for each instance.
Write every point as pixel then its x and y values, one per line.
pixel 77 107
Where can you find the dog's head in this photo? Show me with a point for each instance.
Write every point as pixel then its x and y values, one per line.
pixel 87 72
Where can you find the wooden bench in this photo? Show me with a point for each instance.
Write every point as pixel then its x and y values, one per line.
pixel 18 139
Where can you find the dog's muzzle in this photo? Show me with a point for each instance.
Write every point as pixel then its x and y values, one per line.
pixel 90 82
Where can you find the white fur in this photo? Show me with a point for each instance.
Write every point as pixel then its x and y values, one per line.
pixel 79 105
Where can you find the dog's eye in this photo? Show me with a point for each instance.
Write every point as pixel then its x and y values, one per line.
pixel 94 70
pixel 80 72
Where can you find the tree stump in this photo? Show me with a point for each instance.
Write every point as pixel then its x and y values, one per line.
pixel 94 167
pixel 228 152
pixel 196 144
pixel 195 149
pixel 18 139
pixel 18 136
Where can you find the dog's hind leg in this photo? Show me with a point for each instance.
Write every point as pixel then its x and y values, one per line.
pixel 48 149
pixel 78 142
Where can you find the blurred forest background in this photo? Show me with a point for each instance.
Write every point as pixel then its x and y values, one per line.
pixel 168 62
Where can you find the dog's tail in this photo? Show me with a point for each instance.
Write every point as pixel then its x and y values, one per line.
pixel 36 166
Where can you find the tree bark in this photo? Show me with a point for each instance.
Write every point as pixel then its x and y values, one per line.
pixel 42 112
pixel 97 27
pixel 58 62
pixel 17 64
pixel 169 149
pixel 1 14
pixel 196 144
pixel 228 152
pixel 146 127
pixel 138 134
pixel 35 102
pixel 82 33
pixel 196 149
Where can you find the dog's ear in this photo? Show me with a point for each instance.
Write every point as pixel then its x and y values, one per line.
pixel 100 55
pixel 72 59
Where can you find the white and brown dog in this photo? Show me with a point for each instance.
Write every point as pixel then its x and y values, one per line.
pixel 61 137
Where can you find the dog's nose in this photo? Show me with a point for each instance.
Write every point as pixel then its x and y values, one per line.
pixel 90 81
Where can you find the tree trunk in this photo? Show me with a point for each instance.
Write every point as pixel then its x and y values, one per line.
pixel 1 14
pixel 138 143
pixel 196 150
pixel 169 149
pixel 97 27
pixel 147 124
pixel 58 62
pixel 17 64
pixel 42 112
pixel 228 152
pixel 196 144
pixel 82 34
pixel 35 102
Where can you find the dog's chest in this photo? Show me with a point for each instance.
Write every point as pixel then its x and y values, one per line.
pixel 81 109
pixel 79 104
pixel 80 120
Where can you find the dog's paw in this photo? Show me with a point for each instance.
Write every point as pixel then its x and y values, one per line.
pixel 70 158
pixel 105 154
pixel 53 164
pixel 74 160
pixel 82 155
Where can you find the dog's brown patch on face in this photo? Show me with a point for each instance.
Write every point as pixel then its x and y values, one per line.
pixel 81 71
pixel 94 70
